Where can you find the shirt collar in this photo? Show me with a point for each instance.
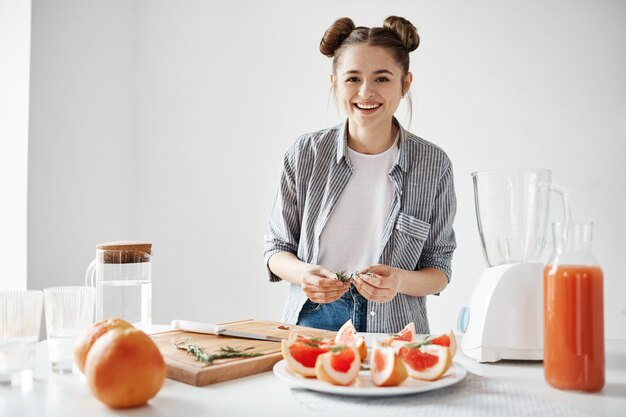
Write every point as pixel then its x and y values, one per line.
pixel 404 157
pixel 342 141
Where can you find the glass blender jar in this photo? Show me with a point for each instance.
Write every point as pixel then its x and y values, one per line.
pixel 504 319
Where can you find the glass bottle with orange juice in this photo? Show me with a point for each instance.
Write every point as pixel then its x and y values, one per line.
pixel 573 356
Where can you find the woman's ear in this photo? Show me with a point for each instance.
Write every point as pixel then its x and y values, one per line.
pixel 332 80
pixel 407 83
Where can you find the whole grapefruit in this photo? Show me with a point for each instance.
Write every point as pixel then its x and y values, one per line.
pixel 124 368
pixel 87 339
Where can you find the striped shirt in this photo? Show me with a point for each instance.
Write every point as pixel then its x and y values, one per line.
pixel 418 231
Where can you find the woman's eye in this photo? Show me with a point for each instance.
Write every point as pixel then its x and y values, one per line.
pixel 352 80
pixel 382 79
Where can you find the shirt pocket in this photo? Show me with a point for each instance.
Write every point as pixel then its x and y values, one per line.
pixel 410 234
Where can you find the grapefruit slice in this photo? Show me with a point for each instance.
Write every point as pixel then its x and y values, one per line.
pixel 387 369
pixel 339 366
pixel 301 338
pixel 301 356
pixel 397 344
pixel 428 362
pixel 406 335
pixel 447 339
pixel 348 335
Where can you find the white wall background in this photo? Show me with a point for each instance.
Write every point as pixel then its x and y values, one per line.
pixel 167 121
pixel 14 81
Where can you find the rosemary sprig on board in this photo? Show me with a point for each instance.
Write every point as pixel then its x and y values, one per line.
pixel 225 352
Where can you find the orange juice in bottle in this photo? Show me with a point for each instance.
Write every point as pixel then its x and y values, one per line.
pixel 573 356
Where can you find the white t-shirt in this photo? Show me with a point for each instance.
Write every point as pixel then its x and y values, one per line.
pixel 352 236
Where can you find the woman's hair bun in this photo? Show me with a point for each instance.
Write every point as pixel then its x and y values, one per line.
pixel 335 35
pixel 405 31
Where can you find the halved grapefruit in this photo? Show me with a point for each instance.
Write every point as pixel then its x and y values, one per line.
pixel 427 362
pixel 301 356
pixel 348 335
pixel 386 368
pixel 339 366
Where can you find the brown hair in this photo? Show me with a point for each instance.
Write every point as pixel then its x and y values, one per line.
pixel 397 35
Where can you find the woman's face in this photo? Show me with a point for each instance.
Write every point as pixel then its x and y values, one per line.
pixel 368 82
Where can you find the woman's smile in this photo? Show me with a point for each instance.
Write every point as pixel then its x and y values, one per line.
pixel 367 108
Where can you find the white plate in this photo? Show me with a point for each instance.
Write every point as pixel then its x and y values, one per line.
pixel 363 385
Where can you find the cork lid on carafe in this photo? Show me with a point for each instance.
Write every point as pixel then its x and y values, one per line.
pixel 124 252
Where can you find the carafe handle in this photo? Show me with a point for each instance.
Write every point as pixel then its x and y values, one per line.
pixel 90 274
pixel 565 199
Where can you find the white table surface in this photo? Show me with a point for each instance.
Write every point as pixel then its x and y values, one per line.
pixel 264 394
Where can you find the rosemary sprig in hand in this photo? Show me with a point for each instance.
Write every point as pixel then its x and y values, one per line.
pixel 225 352
pixel 343 277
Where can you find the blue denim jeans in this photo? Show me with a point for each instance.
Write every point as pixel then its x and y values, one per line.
pixel 331 316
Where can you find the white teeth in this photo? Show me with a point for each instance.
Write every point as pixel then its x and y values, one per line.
pixel 367 106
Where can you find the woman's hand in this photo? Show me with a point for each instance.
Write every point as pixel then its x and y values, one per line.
pixel 380 284
pixel 322 286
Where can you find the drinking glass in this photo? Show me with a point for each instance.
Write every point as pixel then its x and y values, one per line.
pixel 20 320
pixel 69 311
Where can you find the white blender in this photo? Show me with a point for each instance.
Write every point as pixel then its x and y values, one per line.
pixel 504 318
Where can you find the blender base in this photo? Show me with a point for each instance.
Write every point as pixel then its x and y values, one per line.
pixel 506 314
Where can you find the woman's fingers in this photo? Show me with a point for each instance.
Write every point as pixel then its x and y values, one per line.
pixel 378 269
pixel 314 291
pixel 376 283
pixel 324 297
pixel 376 275
pixel 373 280
pixel 373 293
pixel 323 272
pixel 324 284
pixel 381 277
pixel 319 288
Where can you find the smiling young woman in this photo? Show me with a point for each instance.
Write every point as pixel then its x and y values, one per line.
pixel 363 196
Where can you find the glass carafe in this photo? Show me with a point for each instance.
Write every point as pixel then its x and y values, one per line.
pixel 122 276
pixel 573 311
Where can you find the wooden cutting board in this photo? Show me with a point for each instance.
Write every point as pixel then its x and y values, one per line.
pixel 184 367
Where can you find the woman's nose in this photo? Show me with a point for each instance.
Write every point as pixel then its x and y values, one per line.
pixel 366 91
